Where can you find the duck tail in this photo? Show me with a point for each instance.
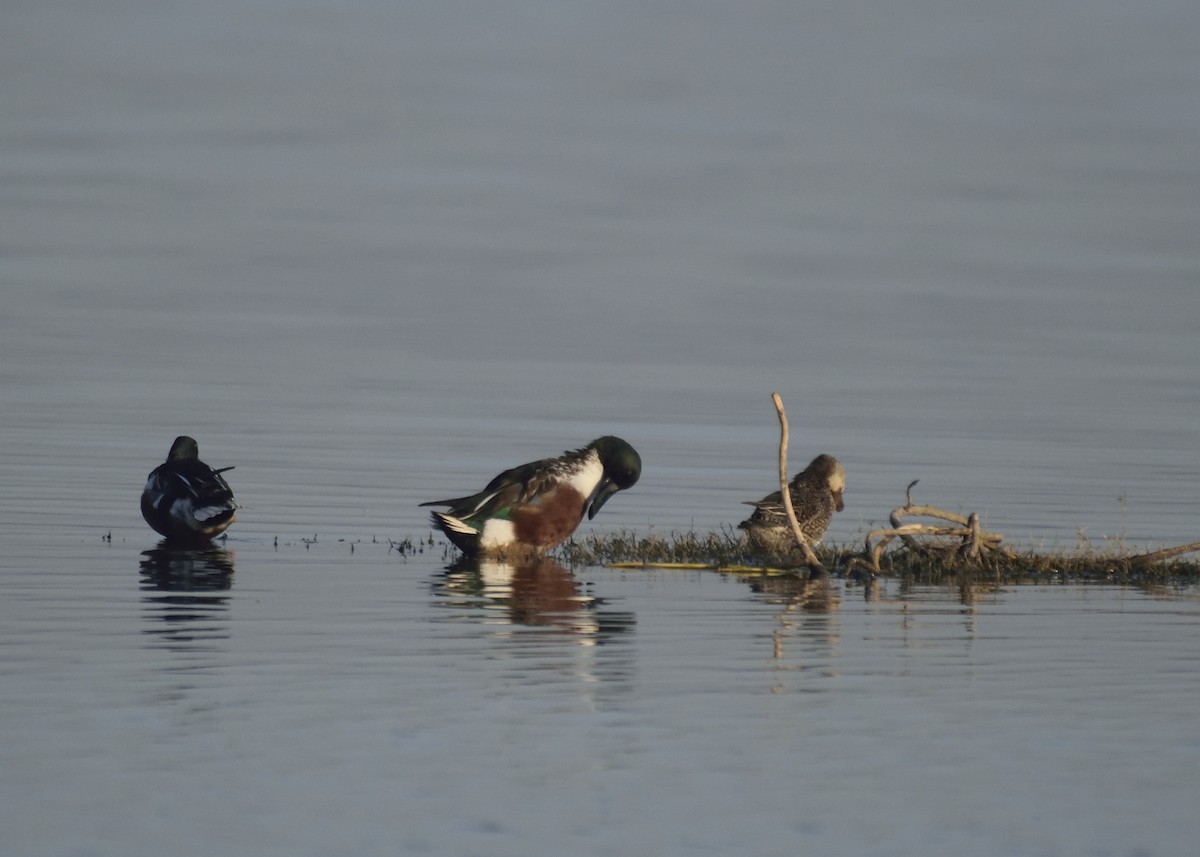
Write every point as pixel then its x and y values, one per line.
pixel 451 524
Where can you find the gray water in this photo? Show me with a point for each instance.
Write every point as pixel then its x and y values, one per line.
pixel 373 253
pixel 306 700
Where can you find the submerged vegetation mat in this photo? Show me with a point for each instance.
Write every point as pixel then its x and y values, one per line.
pixel 941 562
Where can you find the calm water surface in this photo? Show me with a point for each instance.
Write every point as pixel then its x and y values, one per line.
pixel 371 254
pixel 306 700
pixel 362 246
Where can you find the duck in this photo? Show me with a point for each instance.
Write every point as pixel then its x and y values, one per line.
pixel 816 494
pixel 185 499
pixel 533 508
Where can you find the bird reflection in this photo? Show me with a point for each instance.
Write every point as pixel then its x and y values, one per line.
pixel 186 593
pixel 807 623
pixel 538 594
pixel 809 594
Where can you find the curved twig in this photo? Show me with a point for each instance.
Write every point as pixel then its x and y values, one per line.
pixel 910 511
pixel 810 558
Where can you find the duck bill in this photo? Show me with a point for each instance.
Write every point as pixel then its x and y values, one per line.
pixel 837 500
pixel 600 496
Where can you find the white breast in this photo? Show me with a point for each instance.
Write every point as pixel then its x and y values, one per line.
pixel 588 477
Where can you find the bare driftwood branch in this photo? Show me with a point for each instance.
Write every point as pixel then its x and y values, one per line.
pixel 810 558
pixel 910 511
pixel 1164 554
pixel 965 537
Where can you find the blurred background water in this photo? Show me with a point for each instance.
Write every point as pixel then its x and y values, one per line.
pixel 373 253
pixel 406 246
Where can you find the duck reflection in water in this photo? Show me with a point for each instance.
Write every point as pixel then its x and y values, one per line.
pixel 186 592
pixel 807 621
pixel 537 594
pixel 810 594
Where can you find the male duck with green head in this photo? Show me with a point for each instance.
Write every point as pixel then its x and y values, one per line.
pixel 534 507
pixel 185 499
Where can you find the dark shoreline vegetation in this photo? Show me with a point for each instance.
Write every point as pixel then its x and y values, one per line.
pixel 944 547
pixel 910 561
pixel 921 561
